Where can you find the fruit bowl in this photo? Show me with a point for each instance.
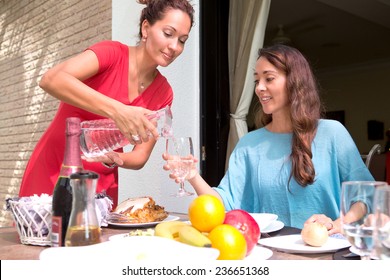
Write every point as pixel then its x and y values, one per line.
pixel 264 219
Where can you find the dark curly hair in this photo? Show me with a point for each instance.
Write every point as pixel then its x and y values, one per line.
pixel 155 10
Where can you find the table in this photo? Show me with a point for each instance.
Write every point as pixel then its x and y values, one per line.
pixel 12 249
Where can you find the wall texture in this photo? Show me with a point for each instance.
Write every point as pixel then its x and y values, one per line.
pixel 362 92
pixel 35 35
pixel 184 76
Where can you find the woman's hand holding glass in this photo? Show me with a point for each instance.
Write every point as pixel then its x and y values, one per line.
pixel 133 122
pixel 179 155
pixel 193 172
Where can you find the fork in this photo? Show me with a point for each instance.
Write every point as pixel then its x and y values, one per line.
pixel 119 218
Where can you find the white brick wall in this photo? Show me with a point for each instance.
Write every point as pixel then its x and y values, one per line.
pixel 35 35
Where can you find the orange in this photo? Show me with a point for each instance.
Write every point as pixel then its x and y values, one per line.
pixel 229 241
pixel 206 212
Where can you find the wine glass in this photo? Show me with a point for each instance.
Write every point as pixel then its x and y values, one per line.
pixel 357 226
pixel 180 154
pixel 382 222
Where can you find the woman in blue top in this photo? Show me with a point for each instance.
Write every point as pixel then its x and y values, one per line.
pixel 294 165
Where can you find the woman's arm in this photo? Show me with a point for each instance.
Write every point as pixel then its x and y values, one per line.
pixel 64 82
pixel 197 182
pixel 140 154
pixel 135 159
pixel 201 187
pixel 357 211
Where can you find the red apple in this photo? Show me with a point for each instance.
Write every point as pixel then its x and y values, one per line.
pixel 246 224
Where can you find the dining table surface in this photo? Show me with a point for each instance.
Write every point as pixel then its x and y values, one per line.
pixel 12 249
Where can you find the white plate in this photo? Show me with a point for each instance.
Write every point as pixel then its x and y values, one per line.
pixel 167 219
pixel 294 244
pixel 259 253
pixel 143 248
pixel 264 219
pixel 274 226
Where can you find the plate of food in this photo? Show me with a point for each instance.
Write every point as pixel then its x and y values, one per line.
pixel 142 224
pixel 294 244
pixel 138 212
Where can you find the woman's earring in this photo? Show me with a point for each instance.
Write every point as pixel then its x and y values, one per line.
pixel 143 38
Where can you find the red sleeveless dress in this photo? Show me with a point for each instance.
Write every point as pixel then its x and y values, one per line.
pixel 112 80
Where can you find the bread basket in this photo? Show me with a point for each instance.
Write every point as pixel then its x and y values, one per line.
pixel 32 216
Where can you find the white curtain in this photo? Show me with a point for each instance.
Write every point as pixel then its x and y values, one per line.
pixel 247 23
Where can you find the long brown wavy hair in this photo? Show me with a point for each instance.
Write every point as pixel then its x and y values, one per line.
pixel 305 107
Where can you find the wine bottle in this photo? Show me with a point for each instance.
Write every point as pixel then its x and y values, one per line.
pixel 62 194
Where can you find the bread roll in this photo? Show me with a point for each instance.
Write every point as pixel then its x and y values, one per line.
pixel 314 234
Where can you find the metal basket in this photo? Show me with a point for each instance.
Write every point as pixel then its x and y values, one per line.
pixel 33 221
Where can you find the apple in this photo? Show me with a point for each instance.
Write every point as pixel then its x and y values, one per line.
pixel 246 224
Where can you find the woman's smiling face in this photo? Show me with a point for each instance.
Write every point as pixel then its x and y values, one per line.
pixel 270 87
pixel 166 38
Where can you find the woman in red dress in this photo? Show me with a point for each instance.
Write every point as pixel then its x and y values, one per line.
pixel 116 81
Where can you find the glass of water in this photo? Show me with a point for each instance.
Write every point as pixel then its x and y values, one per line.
pixel 356 213
pixel 382 222
pixel 180 152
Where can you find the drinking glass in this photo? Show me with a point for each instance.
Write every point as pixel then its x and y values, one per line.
pixel 358 228
pixel 180 154
pixel 382 222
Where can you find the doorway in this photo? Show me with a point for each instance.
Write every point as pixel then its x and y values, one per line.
pixel 336 36
pixel 214 86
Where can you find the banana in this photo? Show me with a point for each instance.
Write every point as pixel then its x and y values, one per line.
pixel 169 229
pixel 191 236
